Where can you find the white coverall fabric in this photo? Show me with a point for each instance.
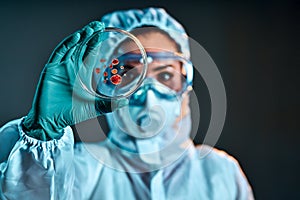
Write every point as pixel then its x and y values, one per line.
pixel 62 169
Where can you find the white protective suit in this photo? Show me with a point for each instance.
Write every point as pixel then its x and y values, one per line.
pixel 121 167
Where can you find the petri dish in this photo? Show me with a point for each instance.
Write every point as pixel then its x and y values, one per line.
pixel 102 64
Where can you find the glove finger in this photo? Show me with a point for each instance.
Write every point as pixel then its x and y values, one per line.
pixel 69 54
pixel 96 26
pixel 92 27
pixel 60 51
pixel 91 47
pixel 67 51
pixel 83 34
pixel 89 29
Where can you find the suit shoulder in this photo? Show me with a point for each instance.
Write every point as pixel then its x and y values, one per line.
pixel 215 157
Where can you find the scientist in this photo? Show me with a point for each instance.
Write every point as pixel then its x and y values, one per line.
pixel 148 153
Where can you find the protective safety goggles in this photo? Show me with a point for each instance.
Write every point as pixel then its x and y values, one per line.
pixel 160 90
pixel 168 68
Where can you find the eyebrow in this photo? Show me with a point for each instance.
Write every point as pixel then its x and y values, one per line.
pixel 162 67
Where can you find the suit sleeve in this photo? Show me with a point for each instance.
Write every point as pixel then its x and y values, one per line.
pixel 34 169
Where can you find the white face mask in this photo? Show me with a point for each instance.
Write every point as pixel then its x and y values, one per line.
pixel 149 118
pixel 149 112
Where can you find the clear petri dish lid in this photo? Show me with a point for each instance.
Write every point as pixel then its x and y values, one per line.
pixel 101 65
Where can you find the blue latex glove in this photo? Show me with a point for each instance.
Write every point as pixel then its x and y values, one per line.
pixel 60 100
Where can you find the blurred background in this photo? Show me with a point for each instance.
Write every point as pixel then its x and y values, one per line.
pixel 255 45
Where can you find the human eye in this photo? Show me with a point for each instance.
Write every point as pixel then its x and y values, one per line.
pixel 165 76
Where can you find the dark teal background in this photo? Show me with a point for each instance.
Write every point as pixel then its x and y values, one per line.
pixel 255 45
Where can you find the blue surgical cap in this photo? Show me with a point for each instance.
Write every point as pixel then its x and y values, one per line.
pixel 158 17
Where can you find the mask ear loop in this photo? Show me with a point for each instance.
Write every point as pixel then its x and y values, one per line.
pixel 185 93
pixel 184 108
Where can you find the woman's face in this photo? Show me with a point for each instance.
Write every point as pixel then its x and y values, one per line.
pixel 149 111
pixel 166 71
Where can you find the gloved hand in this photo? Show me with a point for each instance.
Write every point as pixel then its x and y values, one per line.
pixel 60 100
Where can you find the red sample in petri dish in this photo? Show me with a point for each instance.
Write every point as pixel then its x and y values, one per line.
pixel 97 70
pixel 116 79
pixel 115 61
pixel 114 71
